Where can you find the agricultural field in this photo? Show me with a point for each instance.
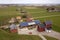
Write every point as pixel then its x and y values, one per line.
pixel 50 38
pixel 37 13
pixel 14 36
pixel 7 13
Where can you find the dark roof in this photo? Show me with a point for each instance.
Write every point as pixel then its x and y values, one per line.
pixel 48 22
pixel 23 24
pixel 29 23
pixel 42 25
pixel 12 26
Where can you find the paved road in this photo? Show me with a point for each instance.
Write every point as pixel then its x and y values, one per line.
pixel 53 34
pixel 42 37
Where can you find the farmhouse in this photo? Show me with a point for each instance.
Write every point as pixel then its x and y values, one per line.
pixel 51 9
pixel 27 27
pixel 34 26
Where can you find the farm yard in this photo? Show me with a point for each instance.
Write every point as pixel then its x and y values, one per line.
pixel 37 13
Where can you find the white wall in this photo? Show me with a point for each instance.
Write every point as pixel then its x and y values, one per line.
pixel 26 31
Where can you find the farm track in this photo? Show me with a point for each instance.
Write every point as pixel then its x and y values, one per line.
pixel 46 16
pixel 41 36
pixel 53 34
pixel 4 31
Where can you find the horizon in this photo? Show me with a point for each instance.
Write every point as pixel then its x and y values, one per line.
pixel 30 2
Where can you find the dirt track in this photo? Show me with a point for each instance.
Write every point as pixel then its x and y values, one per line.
pixel 46 16
pixel 53 34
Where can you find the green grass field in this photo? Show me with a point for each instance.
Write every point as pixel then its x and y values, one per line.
pixel 7 13
pixel 50 38
pixel 13 36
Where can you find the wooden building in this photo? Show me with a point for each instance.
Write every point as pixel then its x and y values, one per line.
pixel 41 28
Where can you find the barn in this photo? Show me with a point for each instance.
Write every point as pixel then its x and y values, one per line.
pixel 48 24
pixel 41 28
pixel 28 27
pixel 34 26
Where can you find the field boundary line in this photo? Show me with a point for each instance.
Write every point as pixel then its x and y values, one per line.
pixel 46 16
pixel 4 31
pixel 42 37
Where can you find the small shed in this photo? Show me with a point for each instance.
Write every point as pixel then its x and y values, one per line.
pixel 41 28
pixel 18 17
pixel 13 28
pixel 48 24
pixel 13 20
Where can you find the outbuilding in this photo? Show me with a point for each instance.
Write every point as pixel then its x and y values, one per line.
pixel 48 24
pixel 41 28
pixel 13 28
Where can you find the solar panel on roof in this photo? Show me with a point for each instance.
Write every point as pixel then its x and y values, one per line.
pixel 29 23
pixel 23 24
